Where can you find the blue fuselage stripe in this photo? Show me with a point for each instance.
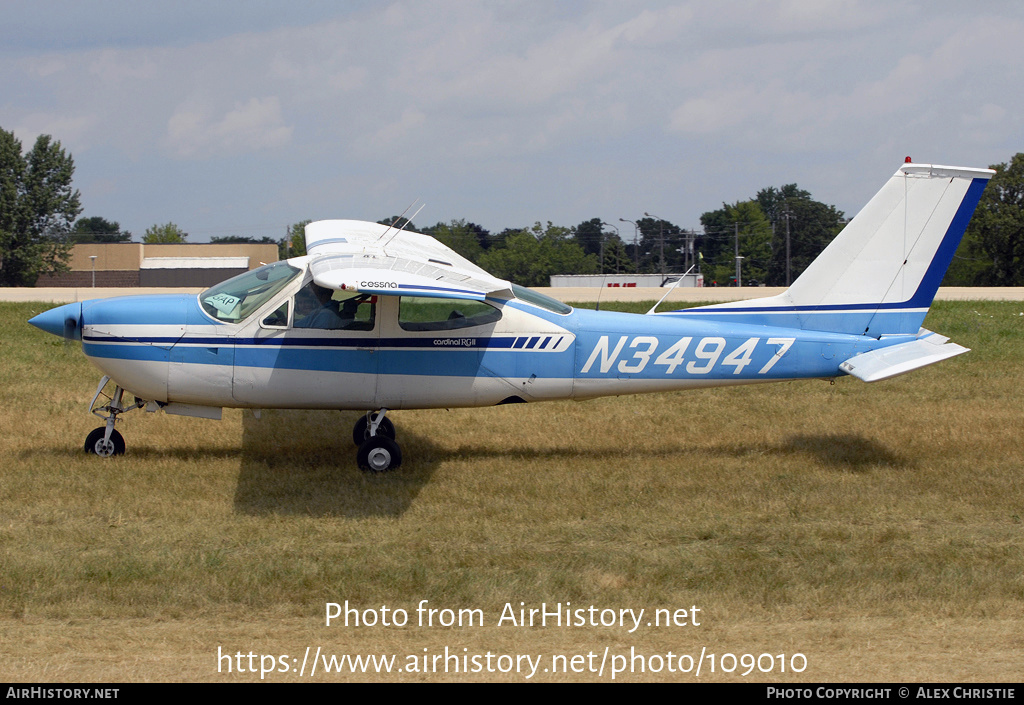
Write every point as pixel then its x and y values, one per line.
pixel 606 346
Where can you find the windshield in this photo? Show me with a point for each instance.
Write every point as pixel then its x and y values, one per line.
pixel 543 300
pixel 237 298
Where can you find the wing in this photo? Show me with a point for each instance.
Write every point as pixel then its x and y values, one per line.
pixel 355 255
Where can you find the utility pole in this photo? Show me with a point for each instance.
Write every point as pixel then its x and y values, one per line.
pixel 602 245
pixel 739 280
pixel 661 240
pixel 787 215
pixel 636 245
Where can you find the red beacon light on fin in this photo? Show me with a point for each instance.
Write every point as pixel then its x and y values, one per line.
pixel 907 161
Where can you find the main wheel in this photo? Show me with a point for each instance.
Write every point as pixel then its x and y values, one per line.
pixel 361 431
pixel 94 443
pixel 379 454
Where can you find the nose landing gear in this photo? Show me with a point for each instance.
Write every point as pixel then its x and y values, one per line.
pixel 105 441
pixel 375 436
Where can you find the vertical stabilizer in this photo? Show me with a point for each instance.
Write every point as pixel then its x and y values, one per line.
pixel 880 274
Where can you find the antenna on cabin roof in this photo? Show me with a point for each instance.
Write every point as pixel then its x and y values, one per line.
pixel 404 225
pixel 400 217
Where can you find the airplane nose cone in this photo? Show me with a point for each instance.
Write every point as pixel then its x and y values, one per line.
pixel 64 321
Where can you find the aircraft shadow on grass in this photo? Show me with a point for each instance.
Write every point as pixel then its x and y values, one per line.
pixel 846 451
pixel 291 463
pixel 298 462
pixel 840 451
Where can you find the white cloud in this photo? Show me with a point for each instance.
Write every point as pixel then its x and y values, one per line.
pixel 252 126
pixel 117 67
pixel 531 101
pixel 396 135
pixel 711 113
pixel 45 66
pixel 67 129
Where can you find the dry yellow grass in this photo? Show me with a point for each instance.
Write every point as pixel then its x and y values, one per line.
pixel 876 529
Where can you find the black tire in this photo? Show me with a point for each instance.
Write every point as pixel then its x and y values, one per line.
pixel 361 431
pixel 379 454
pixel 94 443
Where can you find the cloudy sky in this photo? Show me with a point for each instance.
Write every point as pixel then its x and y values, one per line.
pixel 240 117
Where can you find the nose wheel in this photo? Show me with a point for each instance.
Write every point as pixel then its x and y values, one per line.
pixel 96 442
pixel 375 436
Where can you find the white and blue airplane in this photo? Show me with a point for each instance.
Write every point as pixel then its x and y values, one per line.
pixel 377 319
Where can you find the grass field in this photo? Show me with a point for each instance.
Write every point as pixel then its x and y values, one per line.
pixel 878 530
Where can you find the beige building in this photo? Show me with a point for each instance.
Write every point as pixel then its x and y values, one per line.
pixel 136 264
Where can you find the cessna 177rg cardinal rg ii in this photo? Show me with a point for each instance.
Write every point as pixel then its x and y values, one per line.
pixel 374 318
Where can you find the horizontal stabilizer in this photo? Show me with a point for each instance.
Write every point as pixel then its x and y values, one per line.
pixel 899 359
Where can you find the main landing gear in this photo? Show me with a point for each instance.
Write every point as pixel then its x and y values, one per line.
pixel 105 441
pixel 373 433
pixel 375 436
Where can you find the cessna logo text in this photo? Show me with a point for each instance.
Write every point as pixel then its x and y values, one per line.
pixel 378 285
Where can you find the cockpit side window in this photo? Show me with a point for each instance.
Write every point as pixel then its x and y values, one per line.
pixel 327 309
pixel 237 298
pixel 279 317
pixel 417 313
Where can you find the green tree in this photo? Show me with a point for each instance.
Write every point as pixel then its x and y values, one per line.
pixel 994 242
pixel 242 239
pixel 616 256
pixel 717 238
pixel 595 240
pixel 12 170
pixel 530 257
pixel 663 246
pixel 461 236
pixel 294 242
pixel 483 235
pixel 37 207
pixel 971 265
pixel 498 240
pixel 590 234
pixel 399 222
pixel 742 225
pixel 169 233
pixel 810 225
pixel 96 229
